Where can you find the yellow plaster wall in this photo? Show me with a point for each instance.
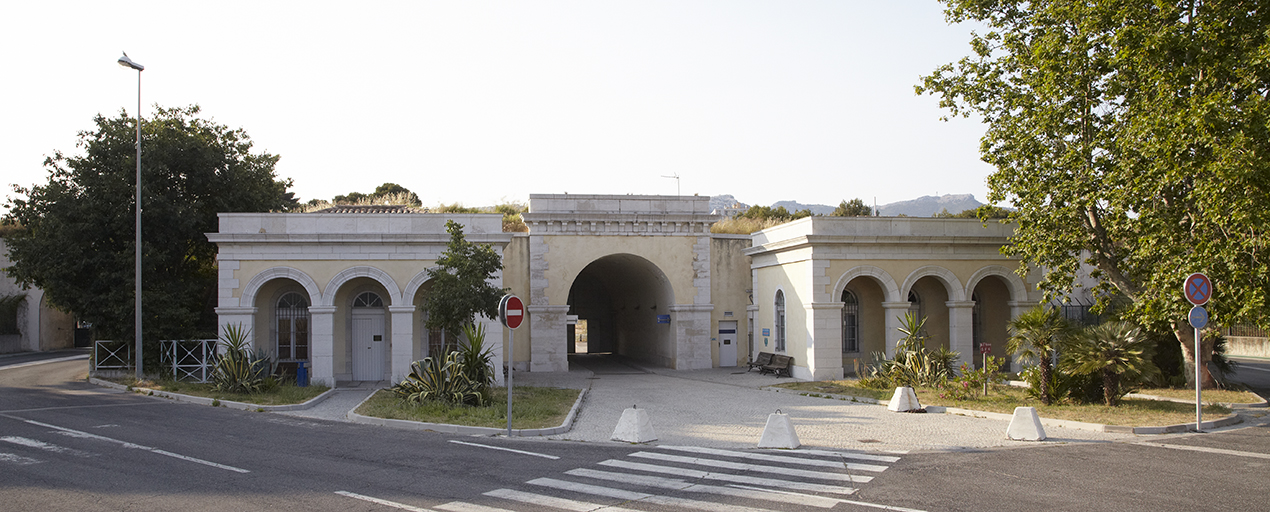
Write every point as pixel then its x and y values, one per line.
pixel 791 278
pixel 568 255
pixel 729 280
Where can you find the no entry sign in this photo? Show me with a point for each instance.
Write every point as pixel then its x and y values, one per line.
pixel 1198 289
pixel 511 311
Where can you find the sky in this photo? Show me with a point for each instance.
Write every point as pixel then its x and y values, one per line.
pixel 480 102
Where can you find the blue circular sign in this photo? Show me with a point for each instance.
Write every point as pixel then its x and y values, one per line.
pixel 1199 317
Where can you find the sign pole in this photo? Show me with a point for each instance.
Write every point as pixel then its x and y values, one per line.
pixel 1199 404
pixel 1198 289
pixel 511 312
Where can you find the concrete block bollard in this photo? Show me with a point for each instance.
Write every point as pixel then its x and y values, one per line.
pixel 904 400
pixel 1025 425
pixel 634 427
pixel 779 432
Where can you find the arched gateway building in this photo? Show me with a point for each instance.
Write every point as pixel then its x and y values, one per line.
pixel 343 290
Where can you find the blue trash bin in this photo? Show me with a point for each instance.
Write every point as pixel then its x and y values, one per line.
pixel 302 374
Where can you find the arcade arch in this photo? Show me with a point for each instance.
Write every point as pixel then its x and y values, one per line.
pixel 626 302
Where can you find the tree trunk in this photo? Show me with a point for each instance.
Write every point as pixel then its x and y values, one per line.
pixel 1046 371
pixel 1110 387
pixel 1186 336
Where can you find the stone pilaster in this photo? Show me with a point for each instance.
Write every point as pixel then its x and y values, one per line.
pixel 322 350
pixel 402 340
pixel 691 328
pixel 548 332
pixel 824 341
pixel 961 330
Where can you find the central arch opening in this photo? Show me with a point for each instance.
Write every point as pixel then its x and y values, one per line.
pixel 625 302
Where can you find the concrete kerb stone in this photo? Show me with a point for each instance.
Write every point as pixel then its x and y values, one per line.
pixel 466 430
pixel 229 404
pixel 1049 422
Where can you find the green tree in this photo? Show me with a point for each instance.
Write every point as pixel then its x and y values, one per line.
pixel 1131 136
pixel 460 286
pixel 1116 351
pixel 1036 335
pixel 854 208
pixel 78 245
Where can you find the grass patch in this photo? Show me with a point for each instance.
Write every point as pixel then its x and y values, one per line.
pixel 1003 399
pixel 533 407
pixel 285 393
pixel 1225 396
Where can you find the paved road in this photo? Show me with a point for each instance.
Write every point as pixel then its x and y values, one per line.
pixel 66 445
pixel 1255 373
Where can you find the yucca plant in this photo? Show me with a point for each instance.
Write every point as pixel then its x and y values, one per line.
pixel 913 364
pixel 238 369
pixel 439 378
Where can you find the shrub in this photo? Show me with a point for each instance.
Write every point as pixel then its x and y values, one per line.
pixel 914 364
pixel 439 378
pixel 968 384
pixel 238 369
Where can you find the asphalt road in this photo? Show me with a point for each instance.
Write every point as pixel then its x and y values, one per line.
pixel 1254 373
pixel 68 445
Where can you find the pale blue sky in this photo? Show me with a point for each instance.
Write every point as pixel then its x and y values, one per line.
pixel 475 102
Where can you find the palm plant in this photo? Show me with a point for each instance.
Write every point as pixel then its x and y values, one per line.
pixel 1036 335
pixel 913 364
pixel 1116 350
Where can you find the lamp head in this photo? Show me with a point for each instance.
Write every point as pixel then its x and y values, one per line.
pixel 128 63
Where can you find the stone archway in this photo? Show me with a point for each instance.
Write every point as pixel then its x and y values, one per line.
pixel 626 302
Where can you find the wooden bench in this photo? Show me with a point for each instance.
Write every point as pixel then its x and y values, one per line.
pixel 780 365
pixel 763 359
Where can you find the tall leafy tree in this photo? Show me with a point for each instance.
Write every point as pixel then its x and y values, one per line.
pixel 78 241
pixel 1130 135
pixel 460 283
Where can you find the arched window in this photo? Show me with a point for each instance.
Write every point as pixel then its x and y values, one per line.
pixel 850 322
pixel 780 321
pixel 291 337
pixel 368 300
pixel 915 304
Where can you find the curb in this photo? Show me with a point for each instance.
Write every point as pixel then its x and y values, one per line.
pixel 229 404
pixel 1231 405
pixel 1049 422
pixel 466 430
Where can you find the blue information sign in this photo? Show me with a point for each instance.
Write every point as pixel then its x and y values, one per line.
pixel 1199 317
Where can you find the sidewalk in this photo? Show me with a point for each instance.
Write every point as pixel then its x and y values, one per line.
pixel 728 408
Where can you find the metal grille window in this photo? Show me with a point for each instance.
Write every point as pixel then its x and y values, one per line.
pixel 780 320
pixel 850 322
pixel 368 300
pixel 292 336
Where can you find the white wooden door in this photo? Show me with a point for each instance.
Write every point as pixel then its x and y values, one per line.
pixel 727 343
pixel 368 345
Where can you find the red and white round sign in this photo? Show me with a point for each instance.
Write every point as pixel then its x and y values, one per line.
pixel 1198 289
pixel 512 311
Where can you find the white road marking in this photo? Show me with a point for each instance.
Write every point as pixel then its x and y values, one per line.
pixel 740 466
pixel 553 502
pixel 620 494
pixel 459 506
pixel 378 501
pixel 728 477
pixel 861 503
pixel 1246 367
pixel 752 493
pixel 777 458
pixel 522 452
pixel 46 361
pixel 41 445
pixel 18 459
pixel 86 435
pixel 849 455
pixel 1218 451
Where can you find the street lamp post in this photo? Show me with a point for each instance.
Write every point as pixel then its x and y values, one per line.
pixel 128 63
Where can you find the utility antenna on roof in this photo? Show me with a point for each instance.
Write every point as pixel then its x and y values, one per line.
pixel 676 178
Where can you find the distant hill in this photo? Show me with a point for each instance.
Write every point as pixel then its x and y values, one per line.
pixel 924 206
pixel 816 209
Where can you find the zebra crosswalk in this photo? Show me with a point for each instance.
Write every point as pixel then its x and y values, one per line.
pixel 687 478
